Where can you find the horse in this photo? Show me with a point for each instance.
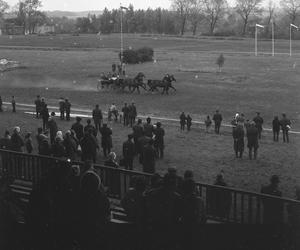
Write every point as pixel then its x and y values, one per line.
pixel 165 84
pixel 134 83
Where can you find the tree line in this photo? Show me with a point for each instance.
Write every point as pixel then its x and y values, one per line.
pixel 194 17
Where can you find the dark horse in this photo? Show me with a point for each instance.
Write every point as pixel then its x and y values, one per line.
pixel 165 84
pixel 134 83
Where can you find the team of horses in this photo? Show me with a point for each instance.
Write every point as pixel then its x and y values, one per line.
pixel 134 84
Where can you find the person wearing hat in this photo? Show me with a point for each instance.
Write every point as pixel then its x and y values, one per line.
pixel 89 146
pixel 45 116
pixel 285 124
pixel 132 114
pixel 52 126
pixel 125 111
pixel 90 126
pixel 67 109
pixel 148 128
pixel 28 143
pixel 182 119
pixel 276 128
pixel 97 117
pixel 273 209
pixel 38 106
pixel 128 152
pixel 61 104
pixel 138 131
pixel 148 159
pixel 78 128
pixel 106 140
pixel 238 140
pixel 70 145
pixel 217 118
pixel 252 136
pixel 17 142
pixel 258 123
pixel 159 144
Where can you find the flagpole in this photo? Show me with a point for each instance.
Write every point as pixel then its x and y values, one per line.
pixel 121 36
pixel 255 40
pixel 273 39
pixel 290 40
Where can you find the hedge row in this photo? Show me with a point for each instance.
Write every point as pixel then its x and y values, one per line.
pixel 141 55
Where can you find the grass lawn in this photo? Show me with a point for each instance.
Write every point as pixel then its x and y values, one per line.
pixel 205 154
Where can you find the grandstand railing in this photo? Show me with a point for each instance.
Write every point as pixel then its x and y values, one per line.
pixel 223 204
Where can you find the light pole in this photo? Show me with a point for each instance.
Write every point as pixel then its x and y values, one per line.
pixel 257 26
pixel 292 26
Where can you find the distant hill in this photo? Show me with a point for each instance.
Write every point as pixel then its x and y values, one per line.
pixel 73 15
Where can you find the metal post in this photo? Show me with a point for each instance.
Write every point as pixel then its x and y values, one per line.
pixel 273 39
pixel 255 41
pixel 121 37
pixel 290 40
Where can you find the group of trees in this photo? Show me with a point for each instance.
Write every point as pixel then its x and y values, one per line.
pixel 210 17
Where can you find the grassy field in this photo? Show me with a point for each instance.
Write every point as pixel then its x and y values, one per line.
pixel 69 66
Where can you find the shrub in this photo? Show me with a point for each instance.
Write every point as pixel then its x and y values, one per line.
pixel 141 55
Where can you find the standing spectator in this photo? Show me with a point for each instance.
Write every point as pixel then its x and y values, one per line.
pixel 68 109
pixel 159 144
pixel 57 148
pixel 258 123
pixel 1 103
pixel 128 153
pixel 276 128
pixel 28 143
pixel 125 111
pixel 149 156
pixel 132 114
pixel 5 142
pixel 106 141
pixel 90 126
pixel 113 111
pixel 138 131
pixel 273 209
pixel 141 143
pixel 238 137
pixel 38 106
pixel 39 136
pixel 61 104
pixel 148 128
pixel 45 116
pixel 70 146
pixel 252 136
pixel 217 118
pixel 78 128
pixel 13 103
pixel 52 126
pixel 188 122
pixel 182 118
pixel 44 147
pixel 208 123
pixel 285 124
pixel 89 146
pixel 97 117
pixel 17 142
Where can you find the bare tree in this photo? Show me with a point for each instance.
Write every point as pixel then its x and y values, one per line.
pixel 196 14
pixel 292 8
pixel 213 11
pixel 245 8
pixel 270 17
pixel 183 7
pixel 3 8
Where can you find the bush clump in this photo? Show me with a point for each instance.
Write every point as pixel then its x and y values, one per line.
pixel 141 55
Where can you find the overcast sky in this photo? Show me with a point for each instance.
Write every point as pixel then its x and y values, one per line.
pixel 82 5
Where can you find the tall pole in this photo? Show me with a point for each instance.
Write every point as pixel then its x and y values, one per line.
pixel 121 36
pixel 255 41
pixel 290 40
pixel 273 39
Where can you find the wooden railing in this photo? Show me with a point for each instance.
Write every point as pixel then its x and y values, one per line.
pixel 223 204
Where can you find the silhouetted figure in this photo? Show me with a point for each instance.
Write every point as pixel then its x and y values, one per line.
pixel 188 122
pixel 97 117
pixel 258 123
pixel 285 124
pixel 1 103
pixel 78 128
pixel 128 153
pixel 106 140
pixel 182 118
pixel 208 123
pixel 138 132
pixel 52 126
pixel 13 103
pixel 45 116
pixel 132 114
pixel 17 142
pixel 159 144
pixel 149 156
pixel 68 109
pixel 276 128
pixel 252 136
pixel 62 108
pixel 38 106
pixel 28 143
pixel 70 145
pixel 89 146
pixel 238 138
pixel 217 118
pixel 125 111
pixel 5 142
pixel 90 126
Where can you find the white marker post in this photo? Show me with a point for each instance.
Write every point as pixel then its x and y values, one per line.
pixel 292 26
pixel 257 26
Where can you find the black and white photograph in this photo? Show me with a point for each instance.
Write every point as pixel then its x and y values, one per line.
pixel 150 125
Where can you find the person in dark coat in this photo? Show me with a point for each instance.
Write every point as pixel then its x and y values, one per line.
pixel 44 147
pixel 148 128
pixel 58 148
pixel 141 143
pixel 45 116
pixel 28 143
pixel 70 146
pixel 78 128
pixel 285 124
pixel 217 118
pixel 17 142
pixel 276 128
pixel 97 117
pixel 188 122
pixel 13 103
pixel 5 142
pixel 52 125
pixel 106 141
pixel 89 146
pixel 62 109
pixel 238 137
pixel 128 153
pixel 138 131
pixel 252 136
pixel 159 144
pixel 182 119
pixel 68 109
pixel 258 123
pixel 38 106
pixel 90 126
pixel 125 111
pixel 273 209
pixel 149 156
pixel 132 114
